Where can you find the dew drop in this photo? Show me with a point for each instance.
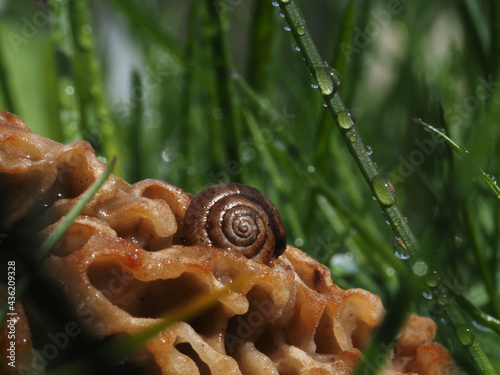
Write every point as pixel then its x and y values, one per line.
pixel 314 84
pixel 301 30
pixel 287 28
pixel 296 48
pixel 465 335
pixel 383 191
pixel 282 15
pixel 427 295
pixel 369 150
pixel 346 119
pixel 401 255
pixel 275 4
pixel 285 1
pixel 328 79
pixel 400 249
pixel 433 280
pixel 299 242
pixel 397 223
pixel 443 299
pixel 70 90
pixel 353 137
pixel 311 169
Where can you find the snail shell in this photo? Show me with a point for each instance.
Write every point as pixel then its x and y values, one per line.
pixel 235 217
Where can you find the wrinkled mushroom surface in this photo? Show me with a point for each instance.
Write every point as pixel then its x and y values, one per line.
pixel 122 265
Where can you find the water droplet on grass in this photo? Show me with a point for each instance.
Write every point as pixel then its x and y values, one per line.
pixel 285 1
pixel 401 252
pixel 328 79
pixel 353 137
pixel 427 295
pixel 287 28
pixel 384 191
pixel 433 280
pixel 346 119
pixel 369 150
pixel 443 299
pixel 465 335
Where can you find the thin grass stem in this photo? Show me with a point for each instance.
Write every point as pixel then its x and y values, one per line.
pixel 58 233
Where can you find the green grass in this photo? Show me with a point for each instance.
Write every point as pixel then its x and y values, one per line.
pixel 200 92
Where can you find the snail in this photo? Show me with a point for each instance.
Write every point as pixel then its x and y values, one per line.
pixel 235 217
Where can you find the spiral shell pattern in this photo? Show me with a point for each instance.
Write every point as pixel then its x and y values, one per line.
pixel 235 217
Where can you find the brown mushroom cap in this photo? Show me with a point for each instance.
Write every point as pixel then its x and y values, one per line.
pixel 122 266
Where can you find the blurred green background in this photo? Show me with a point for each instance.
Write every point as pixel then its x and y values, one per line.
pixel 201 92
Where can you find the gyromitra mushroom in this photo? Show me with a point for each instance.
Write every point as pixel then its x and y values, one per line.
pixel 134 254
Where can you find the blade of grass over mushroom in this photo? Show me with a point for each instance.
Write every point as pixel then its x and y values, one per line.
pixel 60 230
pixel 115 351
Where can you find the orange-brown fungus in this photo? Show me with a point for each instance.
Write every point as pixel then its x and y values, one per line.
pixel 122 266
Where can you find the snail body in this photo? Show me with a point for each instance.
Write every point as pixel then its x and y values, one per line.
pixel 235 217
